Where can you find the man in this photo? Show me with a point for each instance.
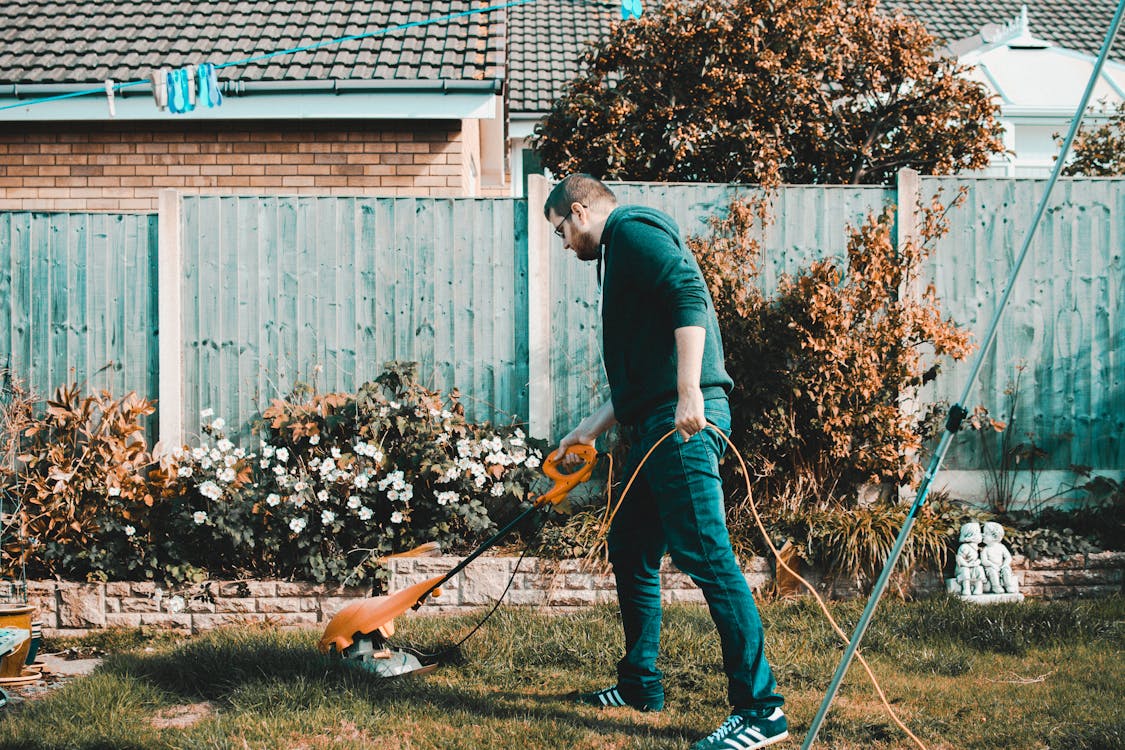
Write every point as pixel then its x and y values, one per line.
pixel 664 360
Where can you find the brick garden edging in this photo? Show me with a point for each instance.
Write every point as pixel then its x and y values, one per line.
pixel 66 608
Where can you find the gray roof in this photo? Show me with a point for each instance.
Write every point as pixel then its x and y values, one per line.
pixel 536 46
pixel 1078 25
pixel 82 42
pixel 546 40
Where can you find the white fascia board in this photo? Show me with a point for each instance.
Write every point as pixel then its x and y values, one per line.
pixel 403 105
pixel 522 124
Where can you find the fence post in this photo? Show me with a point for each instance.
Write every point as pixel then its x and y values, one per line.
pixel 540 388
pixel 170 401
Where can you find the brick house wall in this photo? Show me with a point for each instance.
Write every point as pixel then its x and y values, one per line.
pixel 123 166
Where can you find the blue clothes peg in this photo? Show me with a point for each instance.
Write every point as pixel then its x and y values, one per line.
pixel 209 93
pixel 631 9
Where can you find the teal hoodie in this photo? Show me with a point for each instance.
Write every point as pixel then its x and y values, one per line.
pixel 652 286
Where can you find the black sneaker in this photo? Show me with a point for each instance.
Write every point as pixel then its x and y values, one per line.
pixel 611 698
pixel 747 730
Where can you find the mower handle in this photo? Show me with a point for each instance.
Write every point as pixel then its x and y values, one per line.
pixel 565 482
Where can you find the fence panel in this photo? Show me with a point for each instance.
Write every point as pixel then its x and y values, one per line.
pixel 1062 336
pixel 326 290
pixel 78 300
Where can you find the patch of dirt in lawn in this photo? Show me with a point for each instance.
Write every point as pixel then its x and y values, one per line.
pixel 182 717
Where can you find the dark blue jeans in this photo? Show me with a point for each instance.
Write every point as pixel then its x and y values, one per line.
pixel 676 505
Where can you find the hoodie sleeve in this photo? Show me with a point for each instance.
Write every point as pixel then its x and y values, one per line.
pixel 664 270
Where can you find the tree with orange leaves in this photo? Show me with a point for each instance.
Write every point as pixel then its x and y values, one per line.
pixel 769 91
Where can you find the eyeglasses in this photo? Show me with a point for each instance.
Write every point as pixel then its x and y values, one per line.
pixel 559 228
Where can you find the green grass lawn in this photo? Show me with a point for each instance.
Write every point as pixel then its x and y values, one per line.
pixel 1035 675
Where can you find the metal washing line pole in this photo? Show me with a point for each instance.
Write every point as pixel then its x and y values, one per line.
pixel 957 411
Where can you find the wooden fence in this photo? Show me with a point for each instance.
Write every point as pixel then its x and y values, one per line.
pixel 239 298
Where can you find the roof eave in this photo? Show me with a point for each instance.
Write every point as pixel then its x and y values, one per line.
pixel 264 100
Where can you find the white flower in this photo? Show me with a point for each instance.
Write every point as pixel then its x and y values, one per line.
pixel 396 517
pixel 392 495
pixel 268 450
pixel 205 463
pixel 519 433
pixel 273 499
pixel 230 460
pixel 184 471
pixel 198 453
pixel 283 454
pixel 301 486
pixel 239 453
pixel 327 467
pixel 218 424
pixel 353 502
pixel 531 462
pixel 278 470
pixel 377 456
pixel 445 498
pixel 442 439
pixel 199 517
pixel 175 604
pixel 314 440
pixel 463 448
pixel 314 463
pixel 206 413
pixel 298 500
pixel 215 455
pixel 322 496
pixel 226 475
pixel 335 453
pixel 361 481
pixel 130 530
pixel 297 525
pixel 114 491
pixel 327 517
pixel 406 493
pixel 446 414
pixel 479 480
pixel 224 445
pixel 497 490
pixel 265 463
pixel 365 513
pixel 210 490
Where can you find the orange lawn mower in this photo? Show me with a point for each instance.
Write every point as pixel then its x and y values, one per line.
pixel 360 632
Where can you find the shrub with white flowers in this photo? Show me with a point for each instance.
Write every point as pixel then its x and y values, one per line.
pixel 337 480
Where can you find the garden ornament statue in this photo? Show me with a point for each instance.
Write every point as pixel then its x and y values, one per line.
pixel 968 572
pixel 983 574
pixel 997 561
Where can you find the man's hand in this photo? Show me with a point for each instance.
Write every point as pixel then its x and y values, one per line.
pixel 575 437
pixel 689 413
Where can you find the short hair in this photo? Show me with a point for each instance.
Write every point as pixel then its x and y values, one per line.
pixel 578 188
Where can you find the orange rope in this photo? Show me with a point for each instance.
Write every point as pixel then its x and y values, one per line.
pixel 608 520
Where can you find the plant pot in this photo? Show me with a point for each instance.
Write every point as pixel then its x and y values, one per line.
pixel 16 616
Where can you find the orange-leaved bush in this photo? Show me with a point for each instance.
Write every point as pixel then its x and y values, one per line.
pixel 823 364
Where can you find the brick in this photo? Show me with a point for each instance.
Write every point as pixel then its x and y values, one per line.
pixel 167 621
pixel 123 620
pixel 247 589
pixel 134 604
pixel 81 605
pixel 235 605
pixel 287 604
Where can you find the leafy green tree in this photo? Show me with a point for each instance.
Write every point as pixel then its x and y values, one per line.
pixel 769 91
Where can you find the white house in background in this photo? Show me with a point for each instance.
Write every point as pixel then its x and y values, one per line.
pixel 1039 86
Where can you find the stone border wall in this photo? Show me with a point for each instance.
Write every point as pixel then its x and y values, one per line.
pixel 556 586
